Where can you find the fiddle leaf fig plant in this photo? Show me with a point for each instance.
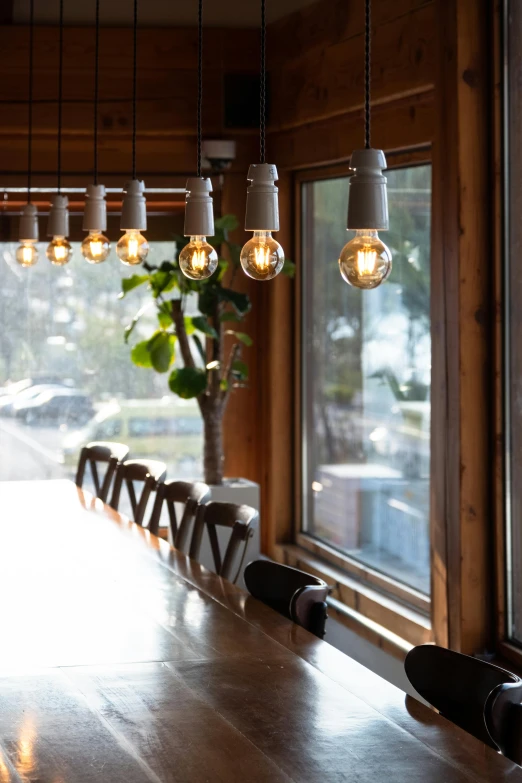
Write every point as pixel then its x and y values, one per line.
pixel 209 345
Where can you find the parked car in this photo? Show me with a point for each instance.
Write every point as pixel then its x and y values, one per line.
pixel 9 403
pixel 15 387
pixel 57 406
pixel 168 429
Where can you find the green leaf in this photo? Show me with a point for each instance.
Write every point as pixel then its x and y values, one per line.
pixel 128 283
pixel 163 282
pixel 209 299
pixel 239 301
pixel 161 350
pixel 188 382
pixel 199 346
pixel 165 315
pixel 227 223
pixel 289 268
pixel 223 384
pixel 130 328
pixel 240 370
pixel 202 325
pixel 242 337
pixel 230 315
pixel 140 355
pixel 189 326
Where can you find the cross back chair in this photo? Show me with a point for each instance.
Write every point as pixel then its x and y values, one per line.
pixel 148 472
pixel 481 698
pixel 240 520
pixel 111 454
pixel 293 593
pixel 170 493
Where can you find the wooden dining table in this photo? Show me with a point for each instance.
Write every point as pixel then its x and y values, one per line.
pixel 123 660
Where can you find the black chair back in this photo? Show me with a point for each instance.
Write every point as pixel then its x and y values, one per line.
pixel 293 593
pixel 241 520
pixel 481 698
pixel 110 454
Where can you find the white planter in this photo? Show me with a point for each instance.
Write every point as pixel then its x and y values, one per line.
pixel 240 491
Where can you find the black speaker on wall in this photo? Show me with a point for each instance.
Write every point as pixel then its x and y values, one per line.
pixel 241 98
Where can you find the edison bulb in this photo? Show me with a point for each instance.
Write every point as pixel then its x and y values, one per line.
pixel 132 249
pixel 59 251
pixel 262 257
pixel 95 247
pixel 198 260
pixel 365 262
pixel 27 253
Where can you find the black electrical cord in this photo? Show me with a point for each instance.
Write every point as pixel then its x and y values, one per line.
pixel 96 87
pixel 30 102
pixel 367 73
pixel 200 83
pixel 134 87
pixel 262 86
pixel 60 95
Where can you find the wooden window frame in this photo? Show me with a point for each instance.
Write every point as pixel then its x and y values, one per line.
pixel 379 607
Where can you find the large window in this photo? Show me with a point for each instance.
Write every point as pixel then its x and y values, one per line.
pixel 63 328
pixel 366 370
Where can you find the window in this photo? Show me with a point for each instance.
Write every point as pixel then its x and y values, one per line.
pixel 64 327
pixel 366 376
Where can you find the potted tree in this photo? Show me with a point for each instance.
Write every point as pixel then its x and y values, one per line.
pixel 209 344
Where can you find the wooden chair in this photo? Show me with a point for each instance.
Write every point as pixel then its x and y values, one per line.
pixel 481 698
pixel 241 520
pixel 183 492
pixel 95 452
pixel 149 472
pixel 295 594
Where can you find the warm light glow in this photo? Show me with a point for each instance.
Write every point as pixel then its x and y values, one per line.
pixel 133 248
pixel 365 261
pixel 59 251
pixel 198 260
pixel 95 247
pixel 27 253
pixel 262 257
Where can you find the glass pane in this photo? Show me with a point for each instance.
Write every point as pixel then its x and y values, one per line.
pixel 64 328
pixel 366 383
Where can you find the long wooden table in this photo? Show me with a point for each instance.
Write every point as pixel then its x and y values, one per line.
pixel 122 660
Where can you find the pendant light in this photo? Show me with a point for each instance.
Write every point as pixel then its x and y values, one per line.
pixel 95 247
pixel 133 248
pixel 365 262
pixel 27 252
pixel 262 258
pixel 59 250
pixel 198 260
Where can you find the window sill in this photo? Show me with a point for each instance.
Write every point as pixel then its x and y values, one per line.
pixel 380 619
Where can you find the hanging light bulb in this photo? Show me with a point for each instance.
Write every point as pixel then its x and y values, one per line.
pixel 365 261
pixel 95 247
pixel 59 250
pixel 198 260
pixel 27 252
pixel 133 248
pixel 262 257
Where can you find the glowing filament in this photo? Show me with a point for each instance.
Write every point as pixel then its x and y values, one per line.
pixel 262 258
pixel 366 261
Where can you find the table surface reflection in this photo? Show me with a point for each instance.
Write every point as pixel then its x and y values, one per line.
pixel 122 660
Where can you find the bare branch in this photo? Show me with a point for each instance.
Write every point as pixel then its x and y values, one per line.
pixel 178 316
pixel 234 355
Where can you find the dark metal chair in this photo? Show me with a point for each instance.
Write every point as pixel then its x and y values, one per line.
pixel 241 520
pixel 481 698
pixel 190 496
pixel 111 454
pixel 293 593
pixel 148 472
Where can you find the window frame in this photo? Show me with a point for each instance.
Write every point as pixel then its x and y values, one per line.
pixel 401 611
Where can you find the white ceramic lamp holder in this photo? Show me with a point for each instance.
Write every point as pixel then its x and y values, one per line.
pixel 368 199
pixel 28 229
pixel 262 206
pixel 199 212
pixel 58 224
pixel 95 213
pixel 134 208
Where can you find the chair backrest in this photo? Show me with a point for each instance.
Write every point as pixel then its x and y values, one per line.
pixel 293 593
pixel 481 698
pixel 190 496
pixel 148 472
pixel 241 520
pixel 112 454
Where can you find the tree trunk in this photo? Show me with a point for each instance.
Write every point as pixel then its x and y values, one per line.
pixel 213 457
